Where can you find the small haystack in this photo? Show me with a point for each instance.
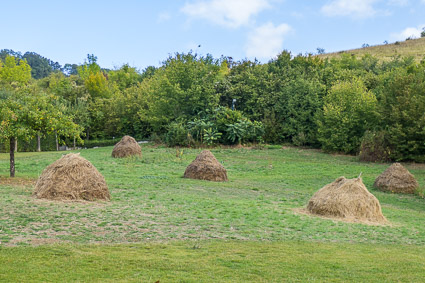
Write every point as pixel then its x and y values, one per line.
pixel 206 167
pixel 396 179
pixel 126 147
pixel 71 178
pixel 348 199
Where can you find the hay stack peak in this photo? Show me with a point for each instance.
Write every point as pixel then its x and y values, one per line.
pixel 348 199
pixel 396 179
pixel 126 147
pixel 206 167
pixel 71 178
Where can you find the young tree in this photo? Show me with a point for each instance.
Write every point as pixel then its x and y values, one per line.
pixel 14 73
pixel 26 114
pixel 349 110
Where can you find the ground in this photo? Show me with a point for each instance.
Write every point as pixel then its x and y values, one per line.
pixel 159 225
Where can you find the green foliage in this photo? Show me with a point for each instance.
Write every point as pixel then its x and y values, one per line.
pixel 41 67
pixel 374 147
pixel 181 88
pixel 211 136
pixel 302 100
pixel 94 79
pixel 197 128
pixel 125 77
pixel 26 114
pixel 177 134
pixel 14 73
pixel 349 110
pixel 402 107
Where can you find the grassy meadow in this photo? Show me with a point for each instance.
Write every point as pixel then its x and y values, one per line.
pixel 160 226
pixel 385 52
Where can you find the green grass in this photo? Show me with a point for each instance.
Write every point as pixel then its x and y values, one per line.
pixel 214 261
pixel 157 220
pixel 414 48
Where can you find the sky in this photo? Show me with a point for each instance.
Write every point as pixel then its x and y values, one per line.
pixel 144 33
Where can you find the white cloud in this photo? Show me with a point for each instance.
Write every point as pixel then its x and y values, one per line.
pixel 163 17
pixel 352 8
pixel 228 13
pixel 266 41
pixel 413 32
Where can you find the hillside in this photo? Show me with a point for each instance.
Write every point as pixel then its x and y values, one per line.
pixel 413 47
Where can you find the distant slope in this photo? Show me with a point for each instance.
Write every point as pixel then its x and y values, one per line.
pixel 413 47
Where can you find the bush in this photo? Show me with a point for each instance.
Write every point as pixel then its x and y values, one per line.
pixel 224 125
pixel 177 134
pixel 374 147
pixel 402 108
pixel 349 110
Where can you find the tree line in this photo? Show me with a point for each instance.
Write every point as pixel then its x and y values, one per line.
pixel 347 104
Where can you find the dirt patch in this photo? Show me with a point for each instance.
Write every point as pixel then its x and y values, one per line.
pixel 17 182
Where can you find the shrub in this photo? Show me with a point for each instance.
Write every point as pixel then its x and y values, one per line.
pixel 374 147
pixel 177 134
pixel 349 110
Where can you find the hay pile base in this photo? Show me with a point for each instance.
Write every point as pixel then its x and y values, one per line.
pixel 348 199
pixel 396 179
pixel 126 147
pixel 71 178
pixel 206 167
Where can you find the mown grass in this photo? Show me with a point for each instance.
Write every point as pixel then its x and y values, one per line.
pixel 154 209
pixel 214 261
pixel 414 48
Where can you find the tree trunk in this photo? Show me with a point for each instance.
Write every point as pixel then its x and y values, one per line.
pixel 38 143
pixel 12 156
pixel 16 145
pixel 57 142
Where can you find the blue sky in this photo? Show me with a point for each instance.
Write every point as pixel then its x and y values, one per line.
pixel 143 33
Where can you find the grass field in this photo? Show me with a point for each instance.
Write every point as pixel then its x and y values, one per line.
pixel 160 226
pixel 413 47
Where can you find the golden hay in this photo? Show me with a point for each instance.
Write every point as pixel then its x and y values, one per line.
pixel 71 178
pixel 348 199
pixel 127 146
pixel 396 179
pixel 206 167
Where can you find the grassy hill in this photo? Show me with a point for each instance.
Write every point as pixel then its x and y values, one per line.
pixel 413 47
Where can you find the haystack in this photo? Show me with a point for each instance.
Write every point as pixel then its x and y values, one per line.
pixel 71 178
pixel 396 179
pixel 206 167
pixel 348 199
pixel 126 147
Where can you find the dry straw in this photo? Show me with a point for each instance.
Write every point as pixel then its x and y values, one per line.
pixel 126 147
pixel 71 178
pixel 206 167
pixel 348 199
pixel 396 179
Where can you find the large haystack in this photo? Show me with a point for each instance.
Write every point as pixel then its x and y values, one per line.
pixel 206 167
pixel 396 179
pixel 71 178
pixel 348 199
pixel 126 147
